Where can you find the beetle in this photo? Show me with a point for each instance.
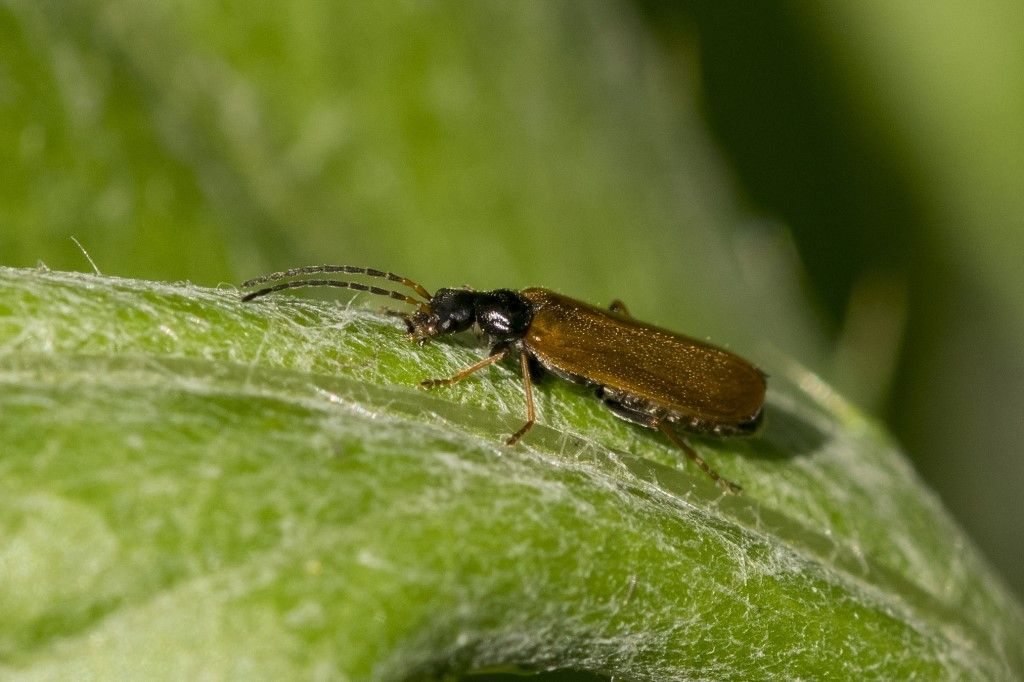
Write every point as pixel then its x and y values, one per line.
pixel 643 374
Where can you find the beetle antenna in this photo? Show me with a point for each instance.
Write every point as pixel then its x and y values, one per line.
pixel 347 269
pixel 356 286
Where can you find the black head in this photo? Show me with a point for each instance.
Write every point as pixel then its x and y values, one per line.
pixel 450 311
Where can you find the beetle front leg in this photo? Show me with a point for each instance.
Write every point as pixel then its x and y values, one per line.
pixel 486 362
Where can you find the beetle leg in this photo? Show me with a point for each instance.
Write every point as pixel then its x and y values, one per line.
pixel 524 363
pixel 723 483
pixel 620 308
pixel 489 360
pixel 654 422
pixel 537 371
pixel 400 314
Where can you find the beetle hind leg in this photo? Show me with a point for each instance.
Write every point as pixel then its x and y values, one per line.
pixel 655 422
pixel 723 483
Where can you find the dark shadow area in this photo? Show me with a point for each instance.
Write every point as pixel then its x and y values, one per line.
pixel 785 435
pixel 798 138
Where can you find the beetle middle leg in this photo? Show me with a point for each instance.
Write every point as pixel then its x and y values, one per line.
pixel 524 363
pixel 655 422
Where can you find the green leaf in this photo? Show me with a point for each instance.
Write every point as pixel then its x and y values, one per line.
pixel 196 486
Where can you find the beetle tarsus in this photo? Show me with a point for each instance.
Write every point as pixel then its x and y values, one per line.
pixel 514 438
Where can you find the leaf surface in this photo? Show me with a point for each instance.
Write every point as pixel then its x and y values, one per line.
pixel 192 485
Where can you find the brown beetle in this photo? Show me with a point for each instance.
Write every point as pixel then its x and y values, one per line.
pixel 643 374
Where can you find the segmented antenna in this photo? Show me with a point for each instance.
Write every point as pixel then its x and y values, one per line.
pixel 356 286
pixel 347 269
pixel 337 283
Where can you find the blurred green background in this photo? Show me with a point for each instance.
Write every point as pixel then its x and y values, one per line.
pixel 839 186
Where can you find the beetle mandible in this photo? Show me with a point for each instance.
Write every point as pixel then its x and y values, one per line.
pixel 642 373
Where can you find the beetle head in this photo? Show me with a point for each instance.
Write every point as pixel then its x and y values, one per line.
pixel 450 311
